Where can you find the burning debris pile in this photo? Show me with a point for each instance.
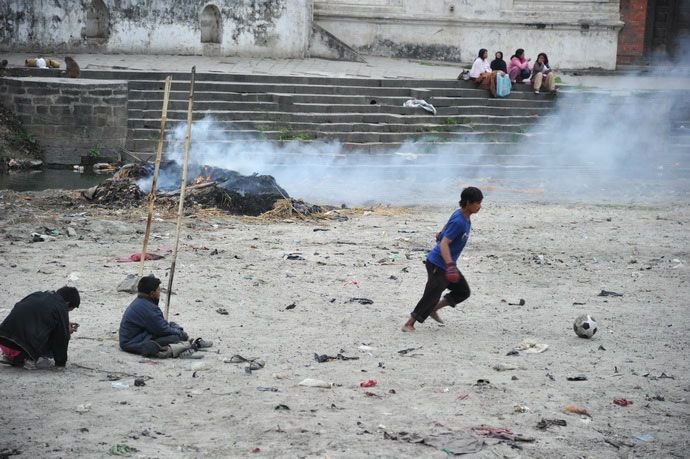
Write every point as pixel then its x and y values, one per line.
pixel 208 187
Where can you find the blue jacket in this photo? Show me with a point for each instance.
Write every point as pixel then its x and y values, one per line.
pixel 143 320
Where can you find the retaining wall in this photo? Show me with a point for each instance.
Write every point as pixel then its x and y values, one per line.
pixel 70 118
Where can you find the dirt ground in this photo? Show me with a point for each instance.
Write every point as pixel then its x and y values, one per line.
pixel 557 257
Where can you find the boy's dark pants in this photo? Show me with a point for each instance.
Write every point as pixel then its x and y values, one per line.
pixel 435 285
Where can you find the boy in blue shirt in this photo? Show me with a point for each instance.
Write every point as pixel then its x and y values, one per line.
pixel 441 267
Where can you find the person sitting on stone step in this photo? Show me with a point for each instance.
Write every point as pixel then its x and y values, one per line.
pixel 518 66
pixel 144 330
pixel 543 74
pixel 480 65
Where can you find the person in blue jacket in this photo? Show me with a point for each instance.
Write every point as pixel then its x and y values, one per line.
pixel 441 267
pixel 144 330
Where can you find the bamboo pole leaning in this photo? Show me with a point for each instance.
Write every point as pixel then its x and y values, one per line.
pixel 183 189
pixel 154 183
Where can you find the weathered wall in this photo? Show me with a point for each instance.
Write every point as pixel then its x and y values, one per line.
pixel 631 40
pixel 70 118
pixel 574 33
pixel 279 28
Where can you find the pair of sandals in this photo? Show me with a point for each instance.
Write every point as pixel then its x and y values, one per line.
pixel 254 363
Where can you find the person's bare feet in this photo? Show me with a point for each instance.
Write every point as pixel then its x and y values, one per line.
pixel 434 315
pixel 408 328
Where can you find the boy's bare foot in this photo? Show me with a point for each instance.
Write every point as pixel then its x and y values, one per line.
pixel 408 328
pixel 434 315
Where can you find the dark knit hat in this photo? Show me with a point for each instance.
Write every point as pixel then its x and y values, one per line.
pixel 70 295
pixel 148 284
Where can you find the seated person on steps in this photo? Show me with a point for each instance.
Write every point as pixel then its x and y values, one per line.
pixel 543 74
pixel 144 330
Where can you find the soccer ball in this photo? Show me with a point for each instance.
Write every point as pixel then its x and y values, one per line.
pixel 585 326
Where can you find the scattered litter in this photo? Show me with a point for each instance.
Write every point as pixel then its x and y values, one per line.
pixel 360 301
pixel 136 256
pixel 36 237
pixel 129 284
pixel 622 402
pixel 504 367
pixel 408 350
pixel 513 353
pixel 290 306
pixel 309 382
pixel 293 256
pixel 577 378
pixel 609 293
pixel 139 382
pixel 570 408
pixel 531 346
pixel 83 408
pixel 658 398
pixel 520 408
pixel 463 397
pixel 663 375
pixel 519 303
pixel 502 433
pixel 325 358
pixel 267 389
pixel 602 348
pixel 414 103
pixel 645 436
pixel 482 382
pixel 254 363
pixel 222 311
pixel 282 407
pixel 121 449
pixel 119 385
pixel 73 276
pixel 368 383
pixel 546 423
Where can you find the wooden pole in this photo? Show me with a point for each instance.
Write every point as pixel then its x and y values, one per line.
pixel 154 183
pixel 183 189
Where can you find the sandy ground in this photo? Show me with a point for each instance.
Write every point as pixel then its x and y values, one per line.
pixel 557 257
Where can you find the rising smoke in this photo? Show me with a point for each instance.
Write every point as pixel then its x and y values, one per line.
pixel 621 143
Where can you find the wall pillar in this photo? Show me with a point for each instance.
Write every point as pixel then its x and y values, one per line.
pixel 631 38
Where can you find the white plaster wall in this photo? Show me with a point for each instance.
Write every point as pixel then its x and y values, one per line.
pixel 575 34
pixel 277 28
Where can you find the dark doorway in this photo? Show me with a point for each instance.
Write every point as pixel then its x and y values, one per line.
pixel 211 25
pixel 668 28
pixel 97 20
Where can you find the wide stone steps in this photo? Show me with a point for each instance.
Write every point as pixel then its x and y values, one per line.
pixel 361 114
pixel 154 99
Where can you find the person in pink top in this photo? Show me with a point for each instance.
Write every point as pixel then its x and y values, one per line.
pixel 518 66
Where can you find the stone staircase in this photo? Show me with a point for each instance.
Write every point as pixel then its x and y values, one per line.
pixel 362 114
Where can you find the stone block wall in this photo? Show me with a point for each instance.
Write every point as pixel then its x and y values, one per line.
pixel 70 118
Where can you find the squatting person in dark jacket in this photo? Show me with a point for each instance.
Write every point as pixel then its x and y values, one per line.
pixel 39 326
pixel 144 330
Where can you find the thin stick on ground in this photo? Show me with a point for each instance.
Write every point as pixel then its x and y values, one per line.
pixel 183 189
pixel 154 183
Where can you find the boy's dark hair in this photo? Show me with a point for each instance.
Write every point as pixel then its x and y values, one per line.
pixel 70 295
pixel 148 284
pixel 481 52
pixel 469 195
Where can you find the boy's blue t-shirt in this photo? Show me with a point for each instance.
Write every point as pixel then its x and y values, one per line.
pixel 458 231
